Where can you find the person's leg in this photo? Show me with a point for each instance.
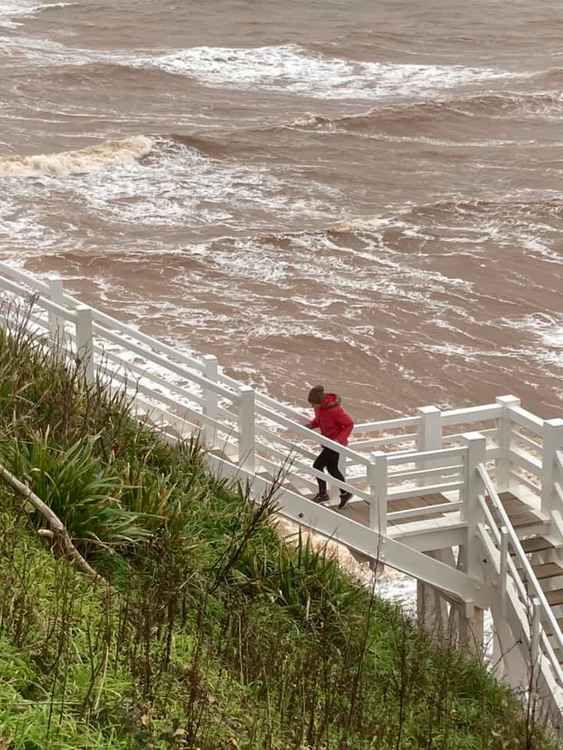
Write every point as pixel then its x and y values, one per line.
pixel 320 464
pixel 332 464
pixel 332 468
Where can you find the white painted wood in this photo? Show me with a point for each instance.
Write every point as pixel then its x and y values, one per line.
pixel 85 341
pixel 503 569
pixel 536 629
pixel 525 461
pixel 377 483
pixel 504 441
pixel 428 489
pixel 450 470
pixel 247 437
pixel 429 436
pixel 363 539
pixel 399 457
pixel 471 513
pixel 552 442
pixel 56 323
pixel 403 543
pixel 471 414
pixel 210 400
pixel 427 510
pixel 526 419
pixel 301 430
pixel 165 363
pixel 386 424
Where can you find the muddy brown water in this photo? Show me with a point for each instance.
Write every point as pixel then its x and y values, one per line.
pixel 367 195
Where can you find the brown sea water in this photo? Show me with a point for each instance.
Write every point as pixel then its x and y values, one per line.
pixel 368 195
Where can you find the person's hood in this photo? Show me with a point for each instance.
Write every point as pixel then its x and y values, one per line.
pixel 330 401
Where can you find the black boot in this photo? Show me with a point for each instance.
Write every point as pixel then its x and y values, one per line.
pixel 344 497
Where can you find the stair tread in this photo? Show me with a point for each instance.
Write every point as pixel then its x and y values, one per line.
pixel 536 544
pixel 519 512
pixel 549 631
pixel 547 570
pixel 554 598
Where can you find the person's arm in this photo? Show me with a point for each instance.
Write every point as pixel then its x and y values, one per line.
pixel 346 425
pixel 314 423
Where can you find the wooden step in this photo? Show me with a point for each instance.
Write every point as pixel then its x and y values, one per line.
pixel 547 570
pixel 519 512
pixel 554 598
pixel 536 544
pixel 549 631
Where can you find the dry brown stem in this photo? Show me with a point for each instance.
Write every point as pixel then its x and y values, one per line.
pixel 58 529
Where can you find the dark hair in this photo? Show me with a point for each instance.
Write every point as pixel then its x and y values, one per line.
pixel 316 394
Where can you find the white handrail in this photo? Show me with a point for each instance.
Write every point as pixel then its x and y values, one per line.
pixel 467 415
pixel 526 419
pixel 507 566
pixel 523 559
pixel 387 424
pixel 168 365
pixel 32 281
pixel 406 456
pixel 49 306
pixel 263 415
pixel 310 434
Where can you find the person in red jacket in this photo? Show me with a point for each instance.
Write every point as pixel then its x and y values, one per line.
pixel 336 424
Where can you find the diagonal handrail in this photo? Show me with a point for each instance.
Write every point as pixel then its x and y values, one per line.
pixel 522 557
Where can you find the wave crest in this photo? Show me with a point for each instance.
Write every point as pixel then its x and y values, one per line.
pixel 123 152
pixel 441 111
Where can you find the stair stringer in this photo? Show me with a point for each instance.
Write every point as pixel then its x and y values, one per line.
pixel 360 538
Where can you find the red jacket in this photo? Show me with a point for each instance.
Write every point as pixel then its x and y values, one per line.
pixel 333 421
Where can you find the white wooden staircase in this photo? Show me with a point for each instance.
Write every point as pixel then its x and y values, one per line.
pixel 485 480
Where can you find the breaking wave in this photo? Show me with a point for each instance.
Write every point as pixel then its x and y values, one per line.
pixel 90 159
pixel 14 9
pixel 296 70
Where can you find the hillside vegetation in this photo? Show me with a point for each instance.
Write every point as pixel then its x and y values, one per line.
pixel 209 632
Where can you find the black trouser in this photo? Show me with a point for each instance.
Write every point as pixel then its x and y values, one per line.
pixel 328 459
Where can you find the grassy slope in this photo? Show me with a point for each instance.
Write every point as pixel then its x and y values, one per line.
pixel 214 633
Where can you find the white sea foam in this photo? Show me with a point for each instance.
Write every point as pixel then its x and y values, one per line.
pixel 298 71
pixel 14 9
pixel 287 68
pixel 91 159
pixel 175 186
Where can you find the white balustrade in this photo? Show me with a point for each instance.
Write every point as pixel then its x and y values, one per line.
pixel 377 472
pixel 475 445
pixel 56 323
pixel 552 443
pixel 210 400
pixel 85 341
pixel 188 393
pixel 504 440
pixel 429 435
pixel 247 429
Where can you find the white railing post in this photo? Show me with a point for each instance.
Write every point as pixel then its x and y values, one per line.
pixel 377 481
pixel 85 341
pixel 210 399
pixel 429 437
pixel 56 324
pixel 247 429
pixel 504 438
pixel 535 632
pixel 552 442
pixel 475 444
pixel 503 569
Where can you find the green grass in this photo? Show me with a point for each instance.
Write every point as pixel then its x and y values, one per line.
pixel 214 634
